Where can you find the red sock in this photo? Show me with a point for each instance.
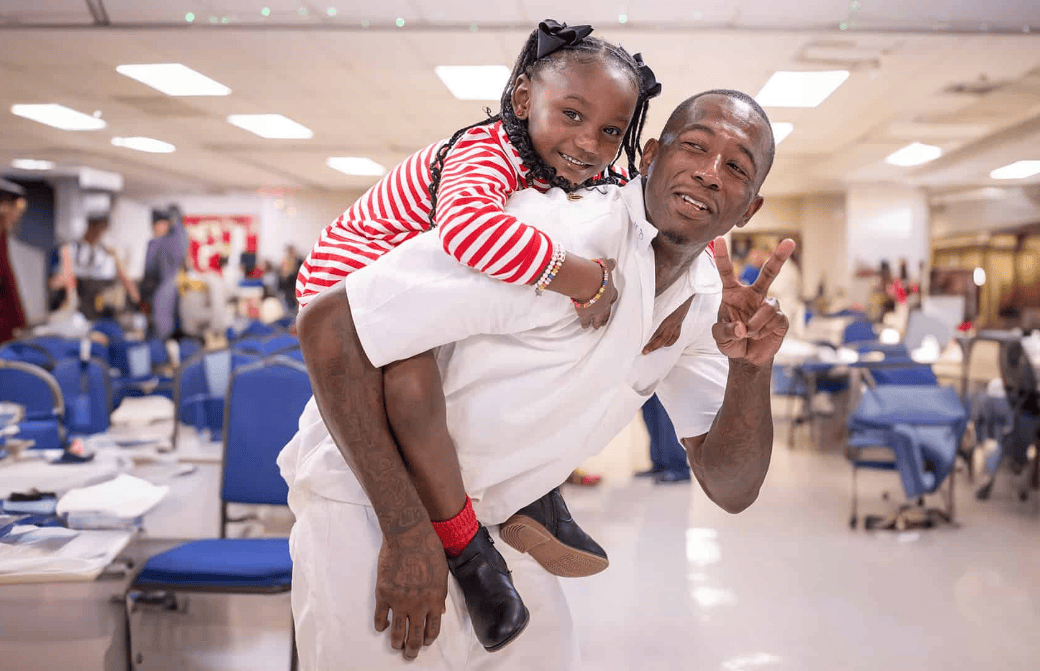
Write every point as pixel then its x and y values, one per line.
pixel 456 533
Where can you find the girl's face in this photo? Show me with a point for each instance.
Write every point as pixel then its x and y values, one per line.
pixel 576 115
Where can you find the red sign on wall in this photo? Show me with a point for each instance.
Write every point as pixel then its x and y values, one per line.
pixel 210 236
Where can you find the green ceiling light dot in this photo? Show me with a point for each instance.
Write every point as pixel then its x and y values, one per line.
pixel 843 26
pixel 622 18
pixel 365 23
pixel 302 11
pixel 213 19
pixel 224 19
pixel 189 17
pixel 331 11
pixel 473 27
pixel 854 5
pixel 266 11
pixel 399 22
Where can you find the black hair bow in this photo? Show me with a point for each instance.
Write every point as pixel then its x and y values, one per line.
pixel 651 87
pixel 553 36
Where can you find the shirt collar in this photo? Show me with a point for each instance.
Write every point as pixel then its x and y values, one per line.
pixel 703 275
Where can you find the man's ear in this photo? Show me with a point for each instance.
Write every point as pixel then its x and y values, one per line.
pixel 521 97
pixel 754 207
pixel 650 150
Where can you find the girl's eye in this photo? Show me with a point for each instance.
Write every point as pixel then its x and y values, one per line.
pixel 572 114
pixel 612 131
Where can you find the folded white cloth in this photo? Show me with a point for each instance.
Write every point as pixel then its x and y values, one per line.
pixel 125 497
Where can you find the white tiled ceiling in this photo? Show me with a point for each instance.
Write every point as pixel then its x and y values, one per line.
pixel 372 92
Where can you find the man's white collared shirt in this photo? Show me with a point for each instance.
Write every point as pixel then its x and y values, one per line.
pixel 530 394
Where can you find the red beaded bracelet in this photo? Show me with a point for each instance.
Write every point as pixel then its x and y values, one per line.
pixel 602 287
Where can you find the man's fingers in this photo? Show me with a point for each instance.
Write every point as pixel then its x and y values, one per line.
pixel 771 268
pixel 762 316
pixel 382 610
pixel 433 628
pixel 416 634
pixel 398 630
pixel 727 332
pixel 724 264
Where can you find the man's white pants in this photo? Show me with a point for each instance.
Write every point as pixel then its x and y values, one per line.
pixel 334 548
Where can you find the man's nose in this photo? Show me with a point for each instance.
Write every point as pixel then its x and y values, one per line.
pixel 707 172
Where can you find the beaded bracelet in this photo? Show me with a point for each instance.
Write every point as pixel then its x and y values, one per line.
pixel 602 287
pixel 551 270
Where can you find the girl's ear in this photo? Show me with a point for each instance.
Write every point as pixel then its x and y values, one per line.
pixel 521 97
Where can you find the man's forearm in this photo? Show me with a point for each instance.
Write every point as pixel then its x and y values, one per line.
pixel 349 393
pixel 731 461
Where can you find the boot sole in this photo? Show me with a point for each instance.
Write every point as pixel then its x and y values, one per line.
pixel 499 646
pixel 526 535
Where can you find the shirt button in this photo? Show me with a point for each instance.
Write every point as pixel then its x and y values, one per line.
pixel 573 196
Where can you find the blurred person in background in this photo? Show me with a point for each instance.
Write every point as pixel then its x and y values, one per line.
pixel 88 269
pixel 669 463
pixel 12 206
pixel 166 252
pixel 755 259
pixel 289 269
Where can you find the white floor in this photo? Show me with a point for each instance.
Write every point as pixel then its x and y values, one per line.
pixel 787 584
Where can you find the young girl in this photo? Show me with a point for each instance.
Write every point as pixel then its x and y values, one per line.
pixel 573 102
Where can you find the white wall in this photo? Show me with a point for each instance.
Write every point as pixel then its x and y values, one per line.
pixel 985 210
pixel 887 223
pixel 824 246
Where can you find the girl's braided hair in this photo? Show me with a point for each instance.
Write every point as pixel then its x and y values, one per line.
pixel 584 50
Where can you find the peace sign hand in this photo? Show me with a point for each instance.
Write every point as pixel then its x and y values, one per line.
pixel 751 326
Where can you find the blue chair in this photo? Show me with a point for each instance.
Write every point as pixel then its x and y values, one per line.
pixel 27 352
pixel 285 323
pixel 87 389
pixel 896 367
pixel 38 392
pixel 137 375
pixel 258 425
pixel 251 344
pixel 278 343
pixel 200 389
pixel 254 328
pixel 189 347
pixel 859 331
pixel 922 426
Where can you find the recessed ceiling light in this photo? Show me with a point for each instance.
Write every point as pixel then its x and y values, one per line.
pixel 58 116
pixel 174 79
pixel 1017 170
pixel 147 144
pixel 914 154
pixel 31 164
pixel 474 82
pixel 800 89
pixel 271 126
pixel 781 129
pixel 355 165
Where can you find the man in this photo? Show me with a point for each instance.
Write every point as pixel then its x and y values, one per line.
pixel 529 394
pixel 12 206
pixel 89 269
pixel 166 251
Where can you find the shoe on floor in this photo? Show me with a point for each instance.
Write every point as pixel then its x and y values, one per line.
pixel 495 608
pixel 671 477
pixel 546 531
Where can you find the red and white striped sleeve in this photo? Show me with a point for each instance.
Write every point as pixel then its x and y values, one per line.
pixel 477 180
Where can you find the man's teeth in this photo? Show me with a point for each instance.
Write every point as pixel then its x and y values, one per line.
pixel 696 203
pixel 575 161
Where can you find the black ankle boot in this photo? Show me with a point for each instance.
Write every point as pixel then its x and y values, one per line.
pixel 495 607
pixel 546 531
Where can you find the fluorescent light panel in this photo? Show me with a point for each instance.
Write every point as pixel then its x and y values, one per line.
pixel 271 126
pixel 31 164
pixel 174 79
pixel 58 116
pixel 800 89
pixel 1017 170
pixel 914 154
pixel 474 82
pixel 355 165
pixel 781 129
pixel 150 145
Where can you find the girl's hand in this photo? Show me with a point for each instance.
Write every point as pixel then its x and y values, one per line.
pixel 668 332
pixel 598 314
